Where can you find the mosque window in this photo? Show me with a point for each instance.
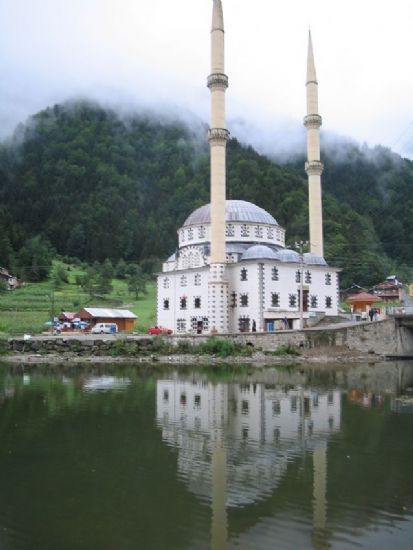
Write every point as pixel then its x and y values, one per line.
pixel 197 401
pixel 165 395
pixel 275 299
pixel 182 399
pixel 244 300
pixel 294 403
pixel 292 300
pixel 197 302
pixel 166 282
pixel 313 301
pixel 278 235
pixel 166 303
pixel 270 233
pixel 244 324
pixel 197 279
pixel 201 232
pixel 308 277
pixel 233 299
pixel 244 274
pixel 245 230
pixel 183 235
pixel 297 276
pixel 244 432
pixel 329 302
pixel 245 406
pixel 181 325
pixel 230 230
pixel 275 274
pixel 183 301
pixel 328 279
pixel 184 280
pixel 190 234
pixel 276 408
pixel 258 232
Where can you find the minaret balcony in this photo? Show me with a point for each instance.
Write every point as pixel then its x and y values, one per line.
pixel 217 81
pixel 218 136
pixel 314 168
pixel 313 122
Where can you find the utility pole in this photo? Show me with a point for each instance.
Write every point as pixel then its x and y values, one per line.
pixel 300 247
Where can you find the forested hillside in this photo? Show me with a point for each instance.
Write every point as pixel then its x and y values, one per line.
pixel 91 184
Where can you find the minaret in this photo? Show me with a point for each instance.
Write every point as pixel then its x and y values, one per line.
pixel 314 167
pixel 218 137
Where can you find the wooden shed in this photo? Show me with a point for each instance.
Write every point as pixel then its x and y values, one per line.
pixel 124 318
pixel 362 302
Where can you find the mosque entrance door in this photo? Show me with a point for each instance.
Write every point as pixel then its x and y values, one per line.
pixel 305 300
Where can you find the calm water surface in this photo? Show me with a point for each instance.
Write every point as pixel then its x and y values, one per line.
pixel 120 458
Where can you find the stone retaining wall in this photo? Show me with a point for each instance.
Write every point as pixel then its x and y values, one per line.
pixel 381 338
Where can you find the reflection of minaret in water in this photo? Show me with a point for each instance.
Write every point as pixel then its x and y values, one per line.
pixel 218 137
pixel 219 524
pixel 319 537
pixel 314 167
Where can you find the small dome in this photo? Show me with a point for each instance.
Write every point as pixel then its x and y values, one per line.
pixel 235 211
pixel 260 252
pixel 288 256
pixel 313 259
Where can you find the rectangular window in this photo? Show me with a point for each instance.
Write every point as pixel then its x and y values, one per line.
pixel 298 276
pixel 166 303
pixel 244 274
pixel 275 299
pixel 201 232
pixel 230 230
pixel 245 230
pixel 329 302
pixel 184 280
pixel 313 301
pixel 308 277
pixel 197 280
pixel 292 300
pixel 197 401
pixel 270 233
pixel 197 302
pixel 274 274
pixel 276 408
pixel 181 325
pixel 244 300
pixel 328 279
pixel 183 302
pixel 166 282
pixel 258 232
pixel 245 407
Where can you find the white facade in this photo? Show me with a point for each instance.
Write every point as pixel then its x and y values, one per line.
pixel 263 276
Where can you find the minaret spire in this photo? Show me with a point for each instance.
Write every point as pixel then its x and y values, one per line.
pixel 314 167
pixel 218 136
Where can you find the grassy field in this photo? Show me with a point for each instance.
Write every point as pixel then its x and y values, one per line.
pixel 27 309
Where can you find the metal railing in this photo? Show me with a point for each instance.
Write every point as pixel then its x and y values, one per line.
pixel 400 311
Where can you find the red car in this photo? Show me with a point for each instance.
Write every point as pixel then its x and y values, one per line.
pixel 159 330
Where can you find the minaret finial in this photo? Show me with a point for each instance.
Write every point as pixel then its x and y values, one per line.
pixel 217 16
pixel 311 73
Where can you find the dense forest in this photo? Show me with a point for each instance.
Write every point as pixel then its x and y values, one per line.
pixel 81 181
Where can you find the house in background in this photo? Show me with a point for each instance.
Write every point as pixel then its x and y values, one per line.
pixel 11 281
pixel 390 290
pixel 124 318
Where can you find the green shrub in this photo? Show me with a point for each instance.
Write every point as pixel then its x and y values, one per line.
pixel 4 346
pixel 286 350
pixel 224 347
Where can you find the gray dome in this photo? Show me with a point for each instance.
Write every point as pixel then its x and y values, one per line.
pixel 235 211
pixel 288 256
pixel 260 252
pixel 313 259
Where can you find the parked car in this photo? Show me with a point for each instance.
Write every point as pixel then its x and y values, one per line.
pixel 159 330
pixel 105 328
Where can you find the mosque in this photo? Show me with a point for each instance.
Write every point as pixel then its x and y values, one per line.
pixel 232 271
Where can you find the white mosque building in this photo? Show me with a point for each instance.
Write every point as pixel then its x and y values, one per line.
pixel 232 271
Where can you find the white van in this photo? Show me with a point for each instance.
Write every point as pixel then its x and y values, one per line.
pixel 105 328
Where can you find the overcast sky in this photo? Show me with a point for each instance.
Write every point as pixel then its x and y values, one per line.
pixel 156 52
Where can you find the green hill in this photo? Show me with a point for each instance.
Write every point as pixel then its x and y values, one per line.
pixel 96 186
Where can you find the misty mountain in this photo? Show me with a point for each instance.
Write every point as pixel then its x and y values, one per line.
pixel 97 185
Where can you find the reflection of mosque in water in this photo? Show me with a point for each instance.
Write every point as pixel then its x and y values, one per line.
pixel 235 440
pixel 261 427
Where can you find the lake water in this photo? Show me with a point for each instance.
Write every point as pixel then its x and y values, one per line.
pixel 143 458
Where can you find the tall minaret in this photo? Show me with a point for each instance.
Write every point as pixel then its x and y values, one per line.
pixel 314 167
pixel 218 137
